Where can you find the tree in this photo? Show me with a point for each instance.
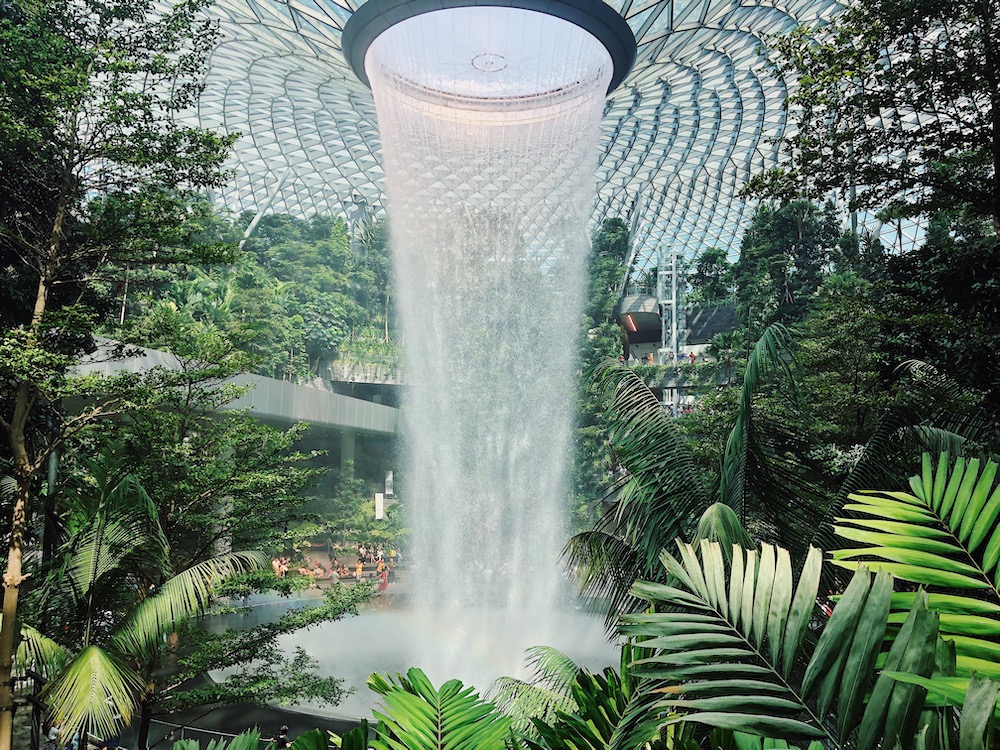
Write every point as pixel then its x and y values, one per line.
pixel 105 611
pixel 219 477
pixel 100 176
pixel 941 302
pixel 260 671
pixel 602 337
pixel 712 280
pixel 783 255
pixel 896 108
pixel 846 368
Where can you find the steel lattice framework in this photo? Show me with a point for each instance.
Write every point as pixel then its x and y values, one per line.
pixel 697 115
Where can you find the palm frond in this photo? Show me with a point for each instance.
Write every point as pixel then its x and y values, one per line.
pixel 660 495
pixel 8 487
pixel 181 597
pixel 525 701
pixel 946 403
pixel 942 535
pixel 769 354
pixel 720 524
pixel 547 691
pixel 764 477
pixel 122 523
pixel 40 653
pixel 604 566
pixel 665 490
pixel 95 691
pixel 603 701
pixel 417 716
pixel 727 652
pixel 551 668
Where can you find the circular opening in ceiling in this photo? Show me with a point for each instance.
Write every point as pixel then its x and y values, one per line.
pixel 430 41
pixel 489 62
pixel 488 55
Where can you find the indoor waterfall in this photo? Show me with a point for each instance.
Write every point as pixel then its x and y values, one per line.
pixel 489 120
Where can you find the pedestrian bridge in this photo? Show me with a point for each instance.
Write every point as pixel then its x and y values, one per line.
pixel 267 398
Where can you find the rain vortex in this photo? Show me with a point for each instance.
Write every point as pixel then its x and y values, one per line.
pixel 489 124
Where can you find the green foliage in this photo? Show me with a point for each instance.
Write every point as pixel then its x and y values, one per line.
pixel 417 716
pixel 249 740
pixel 356 739
pixel 857 129
pixel 662 494
pixel 729 647
pixel 112 600
pixel 843 355
pixel 783 254
pixel 602 339
pixel 942 535
pixel 942 302
pixel 712 279
pixel 547 692
pixel 216 474
pixel 603 703
pixel 97 174
pixel 659 495
pixel 261 670
pixel 296 299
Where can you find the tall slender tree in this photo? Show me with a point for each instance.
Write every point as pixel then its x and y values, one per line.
pixel 97 175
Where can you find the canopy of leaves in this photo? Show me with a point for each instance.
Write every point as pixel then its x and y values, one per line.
pixel 895 107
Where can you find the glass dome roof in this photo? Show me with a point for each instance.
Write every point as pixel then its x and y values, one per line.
pixel 697 115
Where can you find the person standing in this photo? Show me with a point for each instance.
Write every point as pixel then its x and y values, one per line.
pixel 383 583
pixel 281 742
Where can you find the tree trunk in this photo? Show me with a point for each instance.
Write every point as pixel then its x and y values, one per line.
pixel 11 588
pixel 145 719
pixel 24 470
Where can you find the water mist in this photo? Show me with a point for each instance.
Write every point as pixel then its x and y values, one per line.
pixel 489 120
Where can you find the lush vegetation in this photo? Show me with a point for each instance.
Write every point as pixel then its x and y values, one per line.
pixel 852 411
pixel 132 502
pixel 296 299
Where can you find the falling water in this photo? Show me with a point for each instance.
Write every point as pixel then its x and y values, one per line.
pixel 489 125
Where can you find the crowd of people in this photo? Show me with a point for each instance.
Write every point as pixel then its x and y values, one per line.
pixel 384 560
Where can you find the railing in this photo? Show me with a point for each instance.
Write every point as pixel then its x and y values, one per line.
pixel 164 734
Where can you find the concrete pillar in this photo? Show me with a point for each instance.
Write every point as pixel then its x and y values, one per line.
pixel 347 445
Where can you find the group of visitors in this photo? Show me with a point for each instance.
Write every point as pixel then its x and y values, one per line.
pixel 384 559
pixel 374 552
pixel 649 359
pixel 280 566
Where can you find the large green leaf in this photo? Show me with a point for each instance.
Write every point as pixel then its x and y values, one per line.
pixel 729 641
pixel 96 690
pixel 417 716
pixel 943 535
pixel 656 500
pixel 181 597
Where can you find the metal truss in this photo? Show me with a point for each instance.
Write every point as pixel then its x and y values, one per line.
pixel 697 115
